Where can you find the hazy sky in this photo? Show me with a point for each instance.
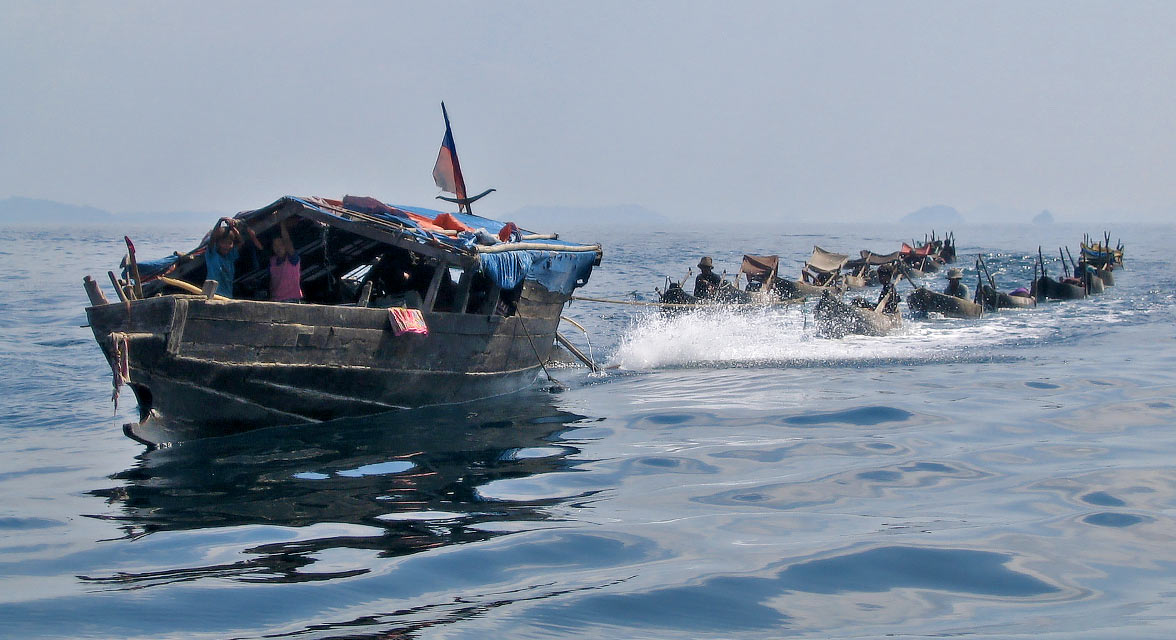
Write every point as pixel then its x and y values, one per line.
pixel 736 110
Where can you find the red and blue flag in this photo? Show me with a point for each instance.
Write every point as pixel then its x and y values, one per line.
pixel 447 171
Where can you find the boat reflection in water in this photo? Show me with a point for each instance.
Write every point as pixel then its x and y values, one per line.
pixel 395 484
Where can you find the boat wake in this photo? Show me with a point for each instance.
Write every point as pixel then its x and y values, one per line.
pixel 773 337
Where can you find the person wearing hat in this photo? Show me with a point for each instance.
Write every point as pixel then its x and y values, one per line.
pixel 707 283
pixel 955 286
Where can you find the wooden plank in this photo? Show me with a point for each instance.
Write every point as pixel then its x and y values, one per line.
pixel 175 333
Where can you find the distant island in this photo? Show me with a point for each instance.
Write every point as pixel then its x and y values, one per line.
pixel 938 214
pixel 1045 217
pixel 29 211
pixel 550 218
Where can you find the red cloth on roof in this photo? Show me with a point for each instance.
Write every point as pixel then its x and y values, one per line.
pixel 447 221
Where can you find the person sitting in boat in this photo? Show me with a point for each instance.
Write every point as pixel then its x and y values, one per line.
pixel 888 298
pixel 285 269
pixel 224 247
pixel 955 285
pixel 706 285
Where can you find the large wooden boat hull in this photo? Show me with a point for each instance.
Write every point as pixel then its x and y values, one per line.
pixel 836 318
pixel 229 365
pixel 1051 289
pixel 924 301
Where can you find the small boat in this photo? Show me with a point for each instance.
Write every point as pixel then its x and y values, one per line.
pixel 994 299
pixel 1045 287
pixel 675 299
pixel 1068 289
pixel 837 318
pixel 757 269
pixel 1101 254
pixel 923 301
pixel 921 260
pixel 863 270
pixel 403 307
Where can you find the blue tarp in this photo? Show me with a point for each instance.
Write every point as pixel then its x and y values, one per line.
pixel 555 270
pixel 561 271
pixel 506 269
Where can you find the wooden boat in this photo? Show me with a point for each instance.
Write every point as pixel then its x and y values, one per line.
pixel 246 362
pixel 234 364
pixel 923 301
pixel 758 269
pixel 821 273
pixel 675 299
pixel 921 260
pixel 994 299
pixel 1101 254
pixel 863 270
pixel 837 318
pixel 1051 289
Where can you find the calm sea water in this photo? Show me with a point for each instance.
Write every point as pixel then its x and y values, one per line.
pixel 735 477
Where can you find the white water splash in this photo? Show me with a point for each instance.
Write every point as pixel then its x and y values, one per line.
pixel 754 337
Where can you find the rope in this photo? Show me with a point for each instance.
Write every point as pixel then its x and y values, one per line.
pixel 712 305
pixel 536 352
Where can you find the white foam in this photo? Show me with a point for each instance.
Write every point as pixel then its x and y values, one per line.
pixel 732 337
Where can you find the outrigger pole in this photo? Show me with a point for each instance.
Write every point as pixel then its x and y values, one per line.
pixel 447 172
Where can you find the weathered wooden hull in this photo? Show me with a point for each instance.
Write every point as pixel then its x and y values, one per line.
pixel 224 366
pixel 924 301
pixel 836 319
pixel 994 299
pixel 1051 289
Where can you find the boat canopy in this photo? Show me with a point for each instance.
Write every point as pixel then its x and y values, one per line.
pixel 759 267
pixel 875 259
pixel 826 261
pixel 335 238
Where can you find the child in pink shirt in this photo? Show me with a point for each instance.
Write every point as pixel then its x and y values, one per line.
pixel 285 270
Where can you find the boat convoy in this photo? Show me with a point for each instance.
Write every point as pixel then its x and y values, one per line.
pixel 832 276
pixel 310 309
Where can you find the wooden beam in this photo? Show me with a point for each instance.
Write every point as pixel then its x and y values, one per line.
pixel 434 286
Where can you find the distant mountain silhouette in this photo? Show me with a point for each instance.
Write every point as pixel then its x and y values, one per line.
pixel 1045 217
pixel 550 218
pixel 937 214
pixel 32 211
